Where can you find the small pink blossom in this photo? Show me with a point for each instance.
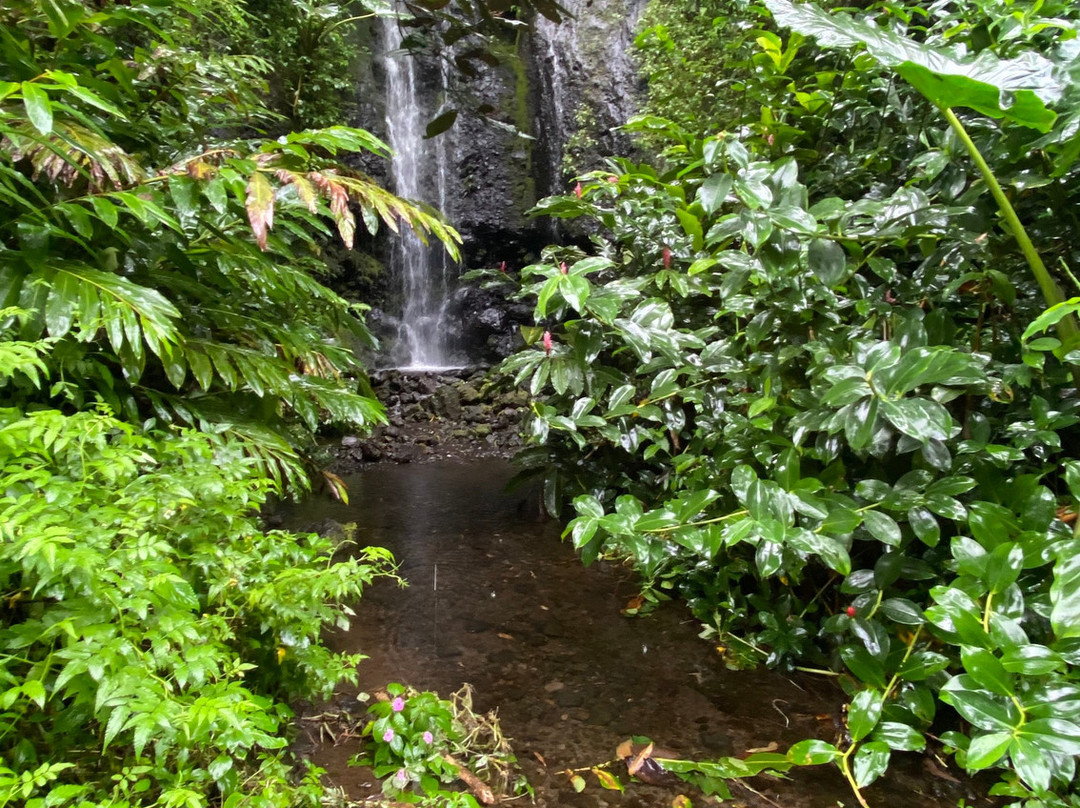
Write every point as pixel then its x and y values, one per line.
pixel 388 735
pixel 502 267
pixel 428 737
pixel 402 777
pixel 547 343
pixel 577 190
pixel 612 179
pixel 563 268
pixel 398 704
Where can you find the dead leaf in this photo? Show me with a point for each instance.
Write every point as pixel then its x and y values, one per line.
pixel 772 747
pixel 540 757
pixel 633 605
pixel 503 636
pixel 635 765
pixel 625 749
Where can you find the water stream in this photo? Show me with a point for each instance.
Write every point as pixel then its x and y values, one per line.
pixel 419 168
pixel 497 600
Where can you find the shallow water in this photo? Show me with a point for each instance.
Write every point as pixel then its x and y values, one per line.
pixel 496 600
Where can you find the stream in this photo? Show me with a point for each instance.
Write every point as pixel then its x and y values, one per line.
pixel 495 599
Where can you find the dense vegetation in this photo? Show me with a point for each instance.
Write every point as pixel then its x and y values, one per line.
pixel 166 353
pixel 803 378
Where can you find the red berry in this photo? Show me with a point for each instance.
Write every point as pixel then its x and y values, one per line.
pixel 851 611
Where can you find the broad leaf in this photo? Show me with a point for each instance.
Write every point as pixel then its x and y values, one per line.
pixel 1016 89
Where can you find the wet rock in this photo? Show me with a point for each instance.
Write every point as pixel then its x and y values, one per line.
pixel 349 441
pixel 569 698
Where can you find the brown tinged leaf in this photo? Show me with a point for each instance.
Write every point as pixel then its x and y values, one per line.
pixel 635 765
pixel 260 207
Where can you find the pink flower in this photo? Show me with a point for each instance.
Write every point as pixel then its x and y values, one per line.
pixel 502 267
pixel 547 343
pixel 398 704
pixel 563 268
pixel 388 735
pixel 667 257
pixel 402 777
pixel 577 190
pixel 613 178
pixel 428 737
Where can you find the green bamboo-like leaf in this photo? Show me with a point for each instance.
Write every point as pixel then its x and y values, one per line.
pixel 38 107
pixel 1017 89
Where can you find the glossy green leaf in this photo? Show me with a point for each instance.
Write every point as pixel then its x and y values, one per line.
pixel 882 527
pixel 870 762
pixel 900 737
pixel 828 261
pixel 1065 592
pixel 986 750
pixel 812 752
pixel 38 107
pixel 864 712
pixel 1017 89
pixel 713 191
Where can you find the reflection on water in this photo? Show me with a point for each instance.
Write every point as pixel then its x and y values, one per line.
pixel 496 600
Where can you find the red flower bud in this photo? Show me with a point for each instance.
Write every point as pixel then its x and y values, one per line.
pixel 577 190
pixel 502 267
pixel 667 257
pixel 547 343
pixel 851 611
pixel 563 268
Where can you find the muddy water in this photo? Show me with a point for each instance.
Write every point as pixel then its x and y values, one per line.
pixel 496 600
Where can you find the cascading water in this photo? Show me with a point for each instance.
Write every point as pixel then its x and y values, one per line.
pixel 425 333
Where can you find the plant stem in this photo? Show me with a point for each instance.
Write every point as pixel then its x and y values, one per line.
pixel 1067 328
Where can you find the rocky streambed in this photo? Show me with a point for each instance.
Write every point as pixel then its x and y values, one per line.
pixel 436 415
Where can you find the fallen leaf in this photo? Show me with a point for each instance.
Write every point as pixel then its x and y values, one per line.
pixel 503 636
pixel 607 779
pixel 772 747
pixel 625 749
pixel 639 761
pixel 578 782
pixel 540 757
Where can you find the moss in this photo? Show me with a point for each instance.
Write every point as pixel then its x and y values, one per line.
pixel 522 182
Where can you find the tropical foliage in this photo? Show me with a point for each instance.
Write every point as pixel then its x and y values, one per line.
pixel 803 381
pixel 166 353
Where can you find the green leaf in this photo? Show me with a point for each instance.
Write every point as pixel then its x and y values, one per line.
pixel 1065 592
pixel 713 191
pixel 1016 89
pixel 903 611
pixel 900 737
pixel 882 527
pixel 986 750
pixel 920 418
pixel 871 761
pixel 1030 763
pixel 981 707
pixel 38 107
pixel 440 124
pixel 812 753
pixel 986 669
pixel 924 525
pixel 864 712
pixel 827 260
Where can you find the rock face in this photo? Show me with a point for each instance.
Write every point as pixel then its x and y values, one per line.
pixel 436 416
pixel 552 104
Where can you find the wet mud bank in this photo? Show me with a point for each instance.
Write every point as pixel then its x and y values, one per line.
pixel 495 599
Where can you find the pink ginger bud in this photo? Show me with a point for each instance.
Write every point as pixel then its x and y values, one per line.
pixel 502 267
pixel 547 343
pixel 577 190
pixel 667 257
pixel 563 268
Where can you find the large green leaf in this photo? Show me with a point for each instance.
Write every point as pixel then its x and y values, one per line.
pixel 1017 89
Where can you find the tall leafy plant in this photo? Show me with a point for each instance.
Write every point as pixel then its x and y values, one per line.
pixel 772 404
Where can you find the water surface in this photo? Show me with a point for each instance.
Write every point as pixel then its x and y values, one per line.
pixel 495 599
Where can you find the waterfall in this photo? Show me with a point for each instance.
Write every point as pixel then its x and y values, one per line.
pixel 425 333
